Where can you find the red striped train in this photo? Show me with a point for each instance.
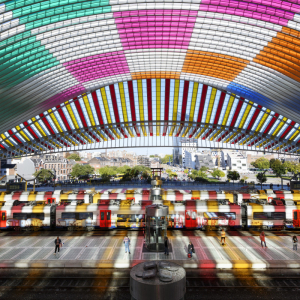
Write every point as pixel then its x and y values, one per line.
pixel 125 208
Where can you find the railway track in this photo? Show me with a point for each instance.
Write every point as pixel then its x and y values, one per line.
pixel 116 286
pixel 124 282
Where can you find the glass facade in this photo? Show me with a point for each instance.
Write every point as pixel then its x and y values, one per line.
pixel 83 67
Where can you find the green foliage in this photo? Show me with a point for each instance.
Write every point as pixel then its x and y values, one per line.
pixel 123 169
pixel 272 160
pixel 292 167
pixel 217 173
pixel 278 167
pixel 169 171
pixel 261 178
pixel 204 169
pixel 128 173
pixel 74 156
pixel 186 171
pixel 173 174
pixel 43 175
pixel 105 177
pixel 202 174
pixel 261 163
pixel 166 158
pixel 233 175
pixel 198 174
pixel 107 171
pixel 146 175
pixel 81 170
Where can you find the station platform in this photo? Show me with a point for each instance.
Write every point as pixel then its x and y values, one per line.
pixel 241 251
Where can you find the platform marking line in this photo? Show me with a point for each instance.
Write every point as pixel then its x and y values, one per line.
pixel 8 249
pixel 277 250
pixel 259 250
pixel 202 252
pixel 9 240
pixel 289 249
pixel 65 253
pixel 83 249
pixel 212 240
pixel 35 252
pixel 98 250
pixel 18 254
pixel 47 255
pixel 229 249
pixel 36 242
pixel 249 250
pixel 112 249
pixel 266 253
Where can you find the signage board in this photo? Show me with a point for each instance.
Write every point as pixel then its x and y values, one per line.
pixel 295 185
pixel 15 186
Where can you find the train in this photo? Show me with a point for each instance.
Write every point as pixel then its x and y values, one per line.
pixel 125 208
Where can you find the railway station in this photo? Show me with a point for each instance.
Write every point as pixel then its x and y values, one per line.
pixel 87 75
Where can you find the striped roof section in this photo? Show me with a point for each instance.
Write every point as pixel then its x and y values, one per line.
pixel 55 50
pixel 153 107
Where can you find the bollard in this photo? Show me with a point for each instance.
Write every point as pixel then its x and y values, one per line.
pixel 159 281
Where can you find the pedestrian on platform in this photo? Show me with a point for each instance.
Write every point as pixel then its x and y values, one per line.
pixel 295 243
pixel 126 243
pixel 223 236
pixel 166 246
pixel 191 250
pixel 263 239
pixel 58 244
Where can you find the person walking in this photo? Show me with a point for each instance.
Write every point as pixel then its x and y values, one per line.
pixel 166 246
pixel 295 243
pixel 223 236
pixel 263 239
pixel 58 244
pixel 126 242
pixel 191 249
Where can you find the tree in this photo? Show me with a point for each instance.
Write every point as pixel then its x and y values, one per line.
pixel 278 168
pixel 123 169
pixel 186 171
pixel 233 175
pixel 173 174
pixel 146 175
pixel 198 174
pixel 202 174
pixel 193 174
pixel 109 171
pixel 217 173
pixel 82 170
pixel 272 160
pixel 43 175
pixel 261 178
pixel 74 156
pixel 261 163
pixel 292 167
pixel 169 171
pixel 167 158
pixel 204 169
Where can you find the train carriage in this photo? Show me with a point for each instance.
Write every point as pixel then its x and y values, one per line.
pixel 107 214
pixel 125 208
pixel 30 214
pixel 212 214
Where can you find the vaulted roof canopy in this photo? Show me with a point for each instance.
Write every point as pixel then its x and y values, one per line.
pixel 75 72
